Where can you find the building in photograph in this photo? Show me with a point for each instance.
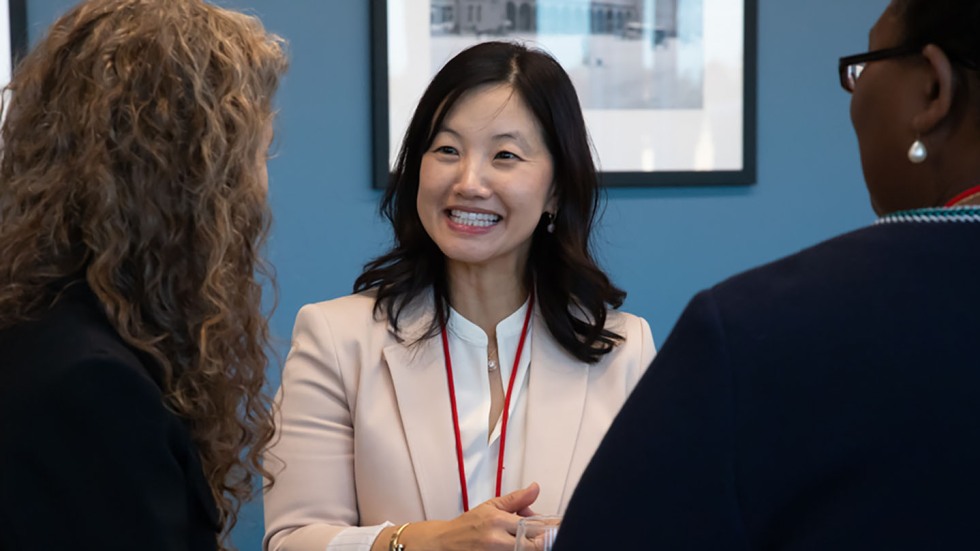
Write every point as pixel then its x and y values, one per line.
pixel 628 18
pixel 470 17
pixel 442 16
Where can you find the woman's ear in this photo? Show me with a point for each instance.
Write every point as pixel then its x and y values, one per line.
pixel 551 205
pixel 940 87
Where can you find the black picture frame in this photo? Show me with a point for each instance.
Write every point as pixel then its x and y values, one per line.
pixel 17 13
pixel 739 143
pixel 18 28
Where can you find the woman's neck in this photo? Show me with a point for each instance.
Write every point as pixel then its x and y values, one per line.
pixel 483 296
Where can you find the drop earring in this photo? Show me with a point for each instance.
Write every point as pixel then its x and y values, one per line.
pixel 551 222
pixel 917 152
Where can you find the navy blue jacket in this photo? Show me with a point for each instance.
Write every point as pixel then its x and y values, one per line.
pixel 90 457
pixel 829 400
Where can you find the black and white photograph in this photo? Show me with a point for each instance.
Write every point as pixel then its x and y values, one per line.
pixel 664 84
pixel 621 54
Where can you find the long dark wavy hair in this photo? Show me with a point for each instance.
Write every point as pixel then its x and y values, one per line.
pixel 131 158
pixel 572 292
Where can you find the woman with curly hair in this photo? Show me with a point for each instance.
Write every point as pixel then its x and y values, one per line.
pixel 132 214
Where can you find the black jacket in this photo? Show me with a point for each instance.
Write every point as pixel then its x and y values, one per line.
pixel 830 400
pixel 90 457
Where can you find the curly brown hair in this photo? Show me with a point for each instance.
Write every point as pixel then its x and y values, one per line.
pixel 132 158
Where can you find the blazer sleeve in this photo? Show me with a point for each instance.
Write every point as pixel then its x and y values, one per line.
pixel 312 458
pixel 663 477
pixel 100 463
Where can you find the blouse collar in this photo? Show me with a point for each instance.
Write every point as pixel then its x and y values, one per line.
pixel 468 331
pixel 933 214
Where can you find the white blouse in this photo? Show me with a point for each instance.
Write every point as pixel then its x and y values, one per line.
pixel 468 348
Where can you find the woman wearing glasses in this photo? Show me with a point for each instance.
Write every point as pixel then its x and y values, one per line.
pixel 829 400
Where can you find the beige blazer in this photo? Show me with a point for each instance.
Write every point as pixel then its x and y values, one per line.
pixel 364 431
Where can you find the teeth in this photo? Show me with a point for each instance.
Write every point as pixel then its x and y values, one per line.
pixel 477 219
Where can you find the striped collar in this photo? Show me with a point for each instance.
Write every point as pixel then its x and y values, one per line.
pixel 933 214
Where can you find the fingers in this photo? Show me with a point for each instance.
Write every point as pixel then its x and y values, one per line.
pixel 518 501
pixel 483 528
pixel 526 512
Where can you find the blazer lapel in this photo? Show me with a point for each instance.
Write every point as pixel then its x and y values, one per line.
pixel 419 377
pixel 557 387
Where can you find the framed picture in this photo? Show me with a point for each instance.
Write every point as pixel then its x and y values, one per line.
pixel 667 87
pixel 13 36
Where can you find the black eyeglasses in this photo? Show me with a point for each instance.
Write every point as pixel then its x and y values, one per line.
pixel 851 67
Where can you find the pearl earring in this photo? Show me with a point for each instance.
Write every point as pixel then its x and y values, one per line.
pixel 917 152
pixel 551 222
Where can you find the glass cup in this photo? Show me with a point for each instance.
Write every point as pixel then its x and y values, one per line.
pixel 537 533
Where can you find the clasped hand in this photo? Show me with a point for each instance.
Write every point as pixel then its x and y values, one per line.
pixel 490 526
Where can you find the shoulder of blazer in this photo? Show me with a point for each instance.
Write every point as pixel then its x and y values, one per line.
pixel 354 314
pixel 78 325
pixel 92 371
pixel 623 323
pixel 634 329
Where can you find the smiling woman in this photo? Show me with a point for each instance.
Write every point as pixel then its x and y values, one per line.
pixel 482 354
pixel 484 183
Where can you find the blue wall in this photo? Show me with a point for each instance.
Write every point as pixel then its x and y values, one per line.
pixel 661 245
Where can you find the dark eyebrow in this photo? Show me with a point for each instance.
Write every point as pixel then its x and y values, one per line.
pixel 514 136
pixel 445 129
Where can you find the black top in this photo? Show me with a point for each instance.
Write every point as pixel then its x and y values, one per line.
pixel 90 456
pixel 830 400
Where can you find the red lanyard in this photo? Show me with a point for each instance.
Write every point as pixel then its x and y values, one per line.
pixel 967 194
pixel 503 425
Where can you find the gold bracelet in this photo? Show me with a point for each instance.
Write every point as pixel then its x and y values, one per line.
pixel 393 545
